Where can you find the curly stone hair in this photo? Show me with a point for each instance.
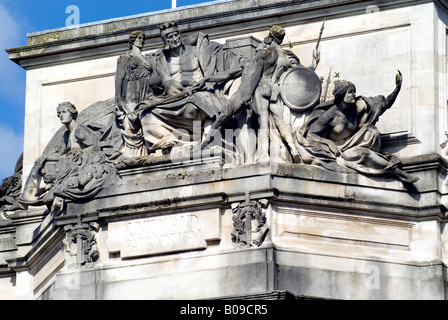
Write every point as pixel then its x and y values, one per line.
pixel 340 89
pixel 70 108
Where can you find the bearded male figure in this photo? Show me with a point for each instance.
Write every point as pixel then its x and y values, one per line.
pixel 196 74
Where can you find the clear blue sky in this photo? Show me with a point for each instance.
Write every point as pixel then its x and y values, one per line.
pixel 19 17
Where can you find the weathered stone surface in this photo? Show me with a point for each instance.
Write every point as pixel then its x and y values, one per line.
pixel 164 234
pixel 165 229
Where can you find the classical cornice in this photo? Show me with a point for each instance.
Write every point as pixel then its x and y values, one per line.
pixel 109 37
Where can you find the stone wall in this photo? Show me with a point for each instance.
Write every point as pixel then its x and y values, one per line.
pixel 365 46
pixel 169 230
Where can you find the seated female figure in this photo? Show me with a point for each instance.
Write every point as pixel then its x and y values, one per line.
pixel 343 131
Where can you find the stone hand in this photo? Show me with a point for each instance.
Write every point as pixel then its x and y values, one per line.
pixel 316 56
pixel 199 85
pixel 399 79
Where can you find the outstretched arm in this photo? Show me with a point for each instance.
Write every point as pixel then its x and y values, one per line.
pixel 218 77
pixel 316 60
pixel 393 96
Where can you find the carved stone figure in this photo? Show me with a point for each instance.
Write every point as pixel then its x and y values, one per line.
pixel 263 88
pixel 271 64
pixel 11 186
pixel 75 169
pixel 135 81
pixel 343 132
pixel 444 146
pixel 169 98
pixel 196 74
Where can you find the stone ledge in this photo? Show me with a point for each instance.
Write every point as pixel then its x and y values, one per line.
pixel 113 35
pixel 280 183
pixel 147 190
pixel 273 295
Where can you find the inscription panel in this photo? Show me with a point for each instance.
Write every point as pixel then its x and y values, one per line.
pixel 164 234
pixel 343 228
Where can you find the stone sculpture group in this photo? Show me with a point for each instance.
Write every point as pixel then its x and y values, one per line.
pixel 194 91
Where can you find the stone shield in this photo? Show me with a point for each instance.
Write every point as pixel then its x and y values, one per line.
pixel 300 88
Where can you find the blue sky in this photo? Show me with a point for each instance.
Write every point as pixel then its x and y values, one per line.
pixel 19 17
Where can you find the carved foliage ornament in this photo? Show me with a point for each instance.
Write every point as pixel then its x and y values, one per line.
pixel 249 223
pixel 80 245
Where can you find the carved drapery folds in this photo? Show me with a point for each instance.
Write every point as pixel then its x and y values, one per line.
pixel 190 104
pixel 249 223
pixel 187 93
pixel 76 167
pixel 11 187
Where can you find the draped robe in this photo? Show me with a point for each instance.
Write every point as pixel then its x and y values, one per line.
pixel 361 151
pixel 169 124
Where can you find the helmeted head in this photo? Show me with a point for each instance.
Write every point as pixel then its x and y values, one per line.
pixel 343 88
pixel 277 34
pixel 170 34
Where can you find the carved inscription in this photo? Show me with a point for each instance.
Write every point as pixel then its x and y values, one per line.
pixel 162 234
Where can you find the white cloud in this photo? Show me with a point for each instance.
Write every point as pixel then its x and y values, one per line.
pixel 11 147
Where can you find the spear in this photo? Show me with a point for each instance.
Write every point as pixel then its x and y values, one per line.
pixel 320 34
pixel 316 50
pixel 327 85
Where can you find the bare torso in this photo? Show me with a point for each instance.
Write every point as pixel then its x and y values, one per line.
pixel 185 67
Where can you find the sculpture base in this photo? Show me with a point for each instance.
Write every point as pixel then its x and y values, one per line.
pixel 181 231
